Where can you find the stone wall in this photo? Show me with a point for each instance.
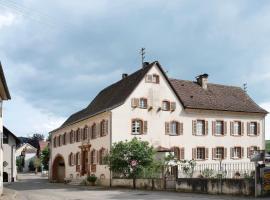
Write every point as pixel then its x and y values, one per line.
pixel 216 186
pixel 146 184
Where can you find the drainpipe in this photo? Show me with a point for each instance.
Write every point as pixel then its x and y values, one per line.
pixel 110 146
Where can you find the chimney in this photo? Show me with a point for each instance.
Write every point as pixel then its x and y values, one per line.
pixel 202 80
pixel 124 76
pixel 145 64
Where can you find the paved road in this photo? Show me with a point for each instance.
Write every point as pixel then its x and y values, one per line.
pixel 32 187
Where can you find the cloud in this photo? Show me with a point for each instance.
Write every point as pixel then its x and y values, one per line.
pixel 59 55
pixel 28 119
pixel 6 19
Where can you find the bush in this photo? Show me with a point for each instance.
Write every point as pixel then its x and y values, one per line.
pixel 92 178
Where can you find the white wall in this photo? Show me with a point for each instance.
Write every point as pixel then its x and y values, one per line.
pixel 155 93
pixel 10 157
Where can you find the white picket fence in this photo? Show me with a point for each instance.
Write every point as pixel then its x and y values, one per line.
pixel 227 170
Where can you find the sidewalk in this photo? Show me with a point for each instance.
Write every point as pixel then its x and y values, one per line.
pixel 8 194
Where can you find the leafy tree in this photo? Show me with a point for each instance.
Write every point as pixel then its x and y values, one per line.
pixel 45 157
pixel 31 166
pixel 37 164
pixel 129 158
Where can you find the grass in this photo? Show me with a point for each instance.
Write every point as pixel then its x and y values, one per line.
pixel 267 143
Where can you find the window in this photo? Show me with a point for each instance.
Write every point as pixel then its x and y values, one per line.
pixel 174 128
pixel 54 142
pixel 200 154
pixel 94 131
pixel 152 78
pixel 237 128
pixel 77 159
pixel 251 150
pixel 176 152
pixel 200 127
pixel 137 126
pixel 155 78
pixel 143 103
pixel 59 140
pixel 236 152
pixel 71 159
pixel 85 132
pixel 219 128
pixel 165 105
pixel 93 156
pixel 71 137
pixel 253 128
pixel 219 153
pixel 102 153
pixel 64 138
pixel 78 135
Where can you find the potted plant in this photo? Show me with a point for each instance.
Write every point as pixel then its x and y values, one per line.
pixel 92 179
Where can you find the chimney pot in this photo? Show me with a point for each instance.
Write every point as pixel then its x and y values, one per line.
pixel 145 64
pixel 124 76
pixel 202 80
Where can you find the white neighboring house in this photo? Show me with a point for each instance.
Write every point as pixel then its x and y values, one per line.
pixel 194 119
pixel 10 142
pixel 4 95
pixel 28 152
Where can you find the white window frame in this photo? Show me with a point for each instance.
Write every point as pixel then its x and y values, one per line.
pixel 165 105
pixel 137 126
pixel 173 128
pixel 218 154
pixel 143 103
pixel 219 127
pixel 237 128
pixel 253 128
pixel 200 153
pixel 237 151
pixel 200 127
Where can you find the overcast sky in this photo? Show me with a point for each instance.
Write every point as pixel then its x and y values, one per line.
pixel 58 54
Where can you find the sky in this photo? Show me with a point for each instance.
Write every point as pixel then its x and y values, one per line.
pixel 57 55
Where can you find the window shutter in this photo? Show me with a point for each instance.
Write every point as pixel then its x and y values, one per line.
pixel 137 102
pixel 82 134
pixel 242 152
pixel 157 79
pixel 213 153
pixel 242 128
pixel 231 152
pixel 206 127
pixel 248 152
pixel 167 128
pixel 181 127
pixel 225 128
pixel 194 153
pixel 213 128
pixel 225 153
pixel 206 153
pixel 145 127
pixel 133 103
pixel 258 128
pixel 97 158
pixel 98 132
pixel 194 124
pixel 148 78
pixel 182 153
pixel 173 106
pixel 90 132
pixel 231 128
pixel 106 124
pixel 248 128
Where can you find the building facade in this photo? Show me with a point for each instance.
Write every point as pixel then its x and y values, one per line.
pixel 195 119
pixel 4 95
pixel 10 142
pixel 26 152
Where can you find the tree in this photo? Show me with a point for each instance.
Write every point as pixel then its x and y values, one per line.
pixel 45 157
pixel 129 158
pixel 37 164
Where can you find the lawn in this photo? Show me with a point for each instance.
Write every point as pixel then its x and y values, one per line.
pixel 267 142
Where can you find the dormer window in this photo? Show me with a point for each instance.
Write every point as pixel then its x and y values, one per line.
pixel 165 105
pixel 155 79
pixel 143 103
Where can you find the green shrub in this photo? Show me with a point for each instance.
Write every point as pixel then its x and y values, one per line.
pixel 92 178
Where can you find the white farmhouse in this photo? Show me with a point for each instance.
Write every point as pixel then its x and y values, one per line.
pixel 4 95
pixel 195 119
pixel 10 142
pixel 26 152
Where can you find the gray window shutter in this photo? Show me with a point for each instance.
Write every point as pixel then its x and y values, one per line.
pixel 194 126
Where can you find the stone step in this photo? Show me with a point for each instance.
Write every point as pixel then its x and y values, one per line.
pixel 75 182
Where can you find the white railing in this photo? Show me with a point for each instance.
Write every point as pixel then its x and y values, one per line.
pixel 212 170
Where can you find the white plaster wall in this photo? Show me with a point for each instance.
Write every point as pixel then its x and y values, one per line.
pixel 96 144
pixel 155 93
pixel 10 149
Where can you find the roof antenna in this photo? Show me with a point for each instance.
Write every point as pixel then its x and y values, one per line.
pixel 245 87
pixel 142 52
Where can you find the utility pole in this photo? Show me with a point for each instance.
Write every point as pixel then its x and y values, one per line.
pixel 142 52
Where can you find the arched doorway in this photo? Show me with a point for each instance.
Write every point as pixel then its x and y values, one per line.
pixel 59 169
